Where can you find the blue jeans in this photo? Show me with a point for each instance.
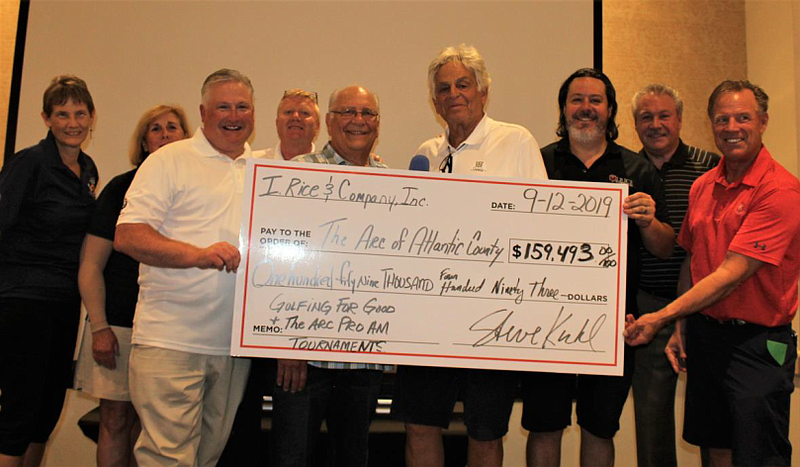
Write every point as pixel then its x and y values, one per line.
pixel 345 399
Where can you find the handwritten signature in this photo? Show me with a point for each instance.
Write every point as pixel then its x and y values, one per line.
pixel 564 331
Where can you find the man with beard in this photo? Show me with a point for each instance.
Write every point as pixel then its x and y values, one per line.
pixel 658 113
pixel 587 152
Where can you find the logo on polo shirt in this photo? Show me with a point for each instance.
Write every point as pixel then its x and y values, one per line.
pixel 92 185
pixel 478 167
pixel 616 179
pixel 759 246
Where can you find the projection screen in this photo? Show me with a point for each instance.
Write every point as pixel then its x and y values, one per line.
pixel 137 54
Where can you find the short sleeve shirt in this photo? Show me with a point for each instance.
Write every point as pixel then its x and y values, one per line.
pixel 190 192
pixel 759 217
pixel 616 165
pixel 121 272
pixel 495 149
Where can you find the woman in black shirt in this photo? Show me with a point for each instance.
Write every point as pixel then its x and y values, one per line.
pixel 46 201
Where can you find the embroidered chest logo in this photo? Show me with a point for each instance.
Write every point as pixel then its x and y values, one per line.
pixel 759 246
pixel 615 179
pixel 92 185
pixel 478 167
pixel 740 209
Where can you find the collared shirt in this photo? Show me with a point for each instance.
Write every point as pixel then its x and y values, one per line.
pixel 660 276
pixel 190 192
pixel 45 210
pixel 493 149
pixel 616 165
pixel 275 153
pixel 758 217
pixel 329 156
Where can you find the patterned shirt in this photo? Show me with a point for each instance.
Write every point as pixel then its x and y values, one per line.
pixel 660 276
pixel 329 156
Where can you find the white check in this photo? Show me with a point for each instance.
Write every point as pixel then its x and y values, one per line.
pixel 392 266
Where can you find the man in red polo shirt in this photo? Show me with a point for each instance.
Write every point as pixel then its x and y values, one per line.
pixel 739 292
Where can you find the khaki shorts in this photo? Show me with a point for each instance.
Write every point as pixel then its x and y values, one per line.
pixel 99 381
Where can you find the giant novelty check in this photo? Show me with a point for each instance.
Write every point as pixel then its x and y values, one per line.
pixel 393 266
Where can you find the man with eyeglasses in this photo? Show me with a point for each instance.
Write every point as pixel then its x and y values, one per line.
pixel 297 124
pixel 473 143
pixel 343 394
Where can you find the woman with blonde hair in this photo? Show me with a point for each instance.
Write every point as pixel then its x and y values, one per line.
pixel 108 285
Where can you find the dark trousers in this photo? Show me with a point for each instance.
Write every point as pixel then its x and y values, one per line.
pixel 654 383
pixel 37 340
pixel 345 399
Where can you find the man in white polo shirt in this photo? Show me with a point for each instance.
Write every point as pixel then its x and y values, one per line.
pixel 181 221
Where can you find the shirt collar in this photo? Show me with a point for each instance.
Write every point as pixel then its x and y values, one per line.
pixel 474 139
pixel 204 147
pixel 754 173
pixel 335 158
pixel 612 149
pixel 54 158
pixel 279 153
pixel 678 158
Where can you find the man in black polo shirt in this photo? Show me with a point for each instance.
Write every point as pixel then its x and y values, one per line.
pixel 587 152
pixel 657 113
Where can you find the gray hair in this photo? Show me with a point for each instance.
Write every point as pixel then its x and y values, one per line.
pixel 226 74
pixel 762 99
pixel 336 92
pixel 297 93
pixel 468 56
pixel 658 90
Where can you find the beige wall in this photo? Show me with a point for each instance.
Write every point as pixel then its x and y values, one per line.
pixel 672 42
pixel 644 41
pixel 9 11
pixel 771 64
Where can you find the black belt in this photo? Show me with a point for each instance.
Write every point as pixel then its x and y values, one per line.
pixel 726 322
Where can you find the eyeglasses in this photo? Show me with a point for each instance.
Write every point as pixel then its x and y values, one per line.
pixel 447 164
pixel 349 114
pixel 299 93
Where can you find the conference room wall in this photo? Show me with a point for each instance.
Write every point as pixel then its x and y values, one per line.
pixel 162 51
pixel 689 33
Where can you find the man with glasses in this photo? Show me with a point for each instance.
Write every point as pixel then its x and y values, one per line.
pixel 297 124
pixel 473 143
pixel 343 394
